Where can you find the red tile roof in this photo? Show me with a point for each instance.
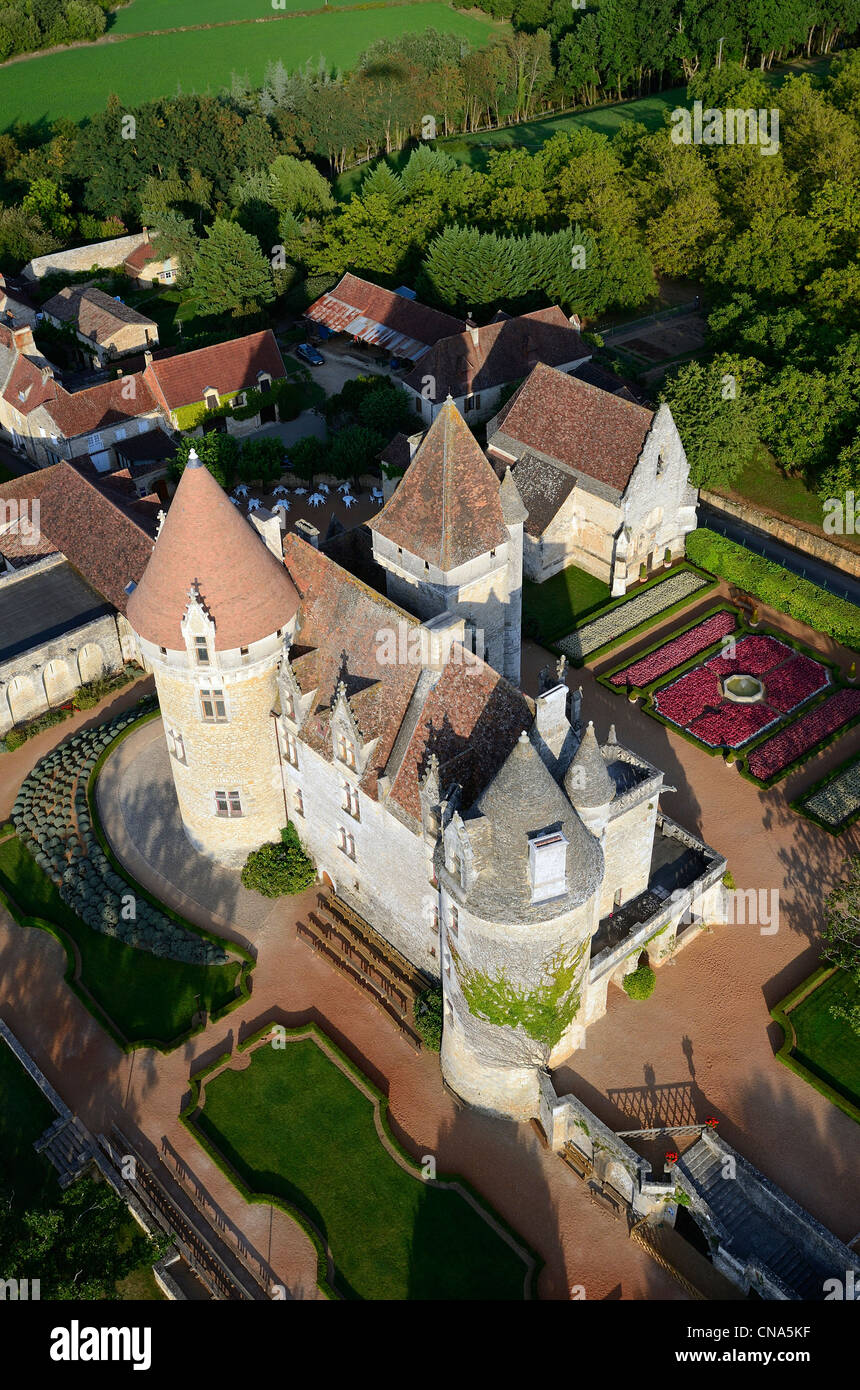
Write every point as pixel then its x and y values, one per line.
pixel 505 350
pixel 111 403
pixel 446 509
pixel 367 311
pixel 105 536
pixel 205 540
pixel 589 430
pixel 180 379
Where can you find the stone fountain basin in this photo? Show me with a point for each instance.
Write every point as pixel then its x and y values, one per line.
pixel 742 689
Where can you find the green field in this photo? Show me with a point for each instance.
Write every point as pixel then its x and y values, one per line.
pixel 77 82
pixel 826 1045
pixel 148 998
pixel 148 16
pixel 294 1126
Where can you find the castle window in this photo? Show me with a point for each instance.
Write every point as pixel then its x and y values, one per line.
pixel 289 704
pixel 213 706
pixel 351 802
pixel 492 554
pixel 228 803
pixel 473 402
pixel 427 566
pixel 661 464
pixel 346 843
pixel 434 921
pixel 299 802
pixel 346 750
pixel 176 745
pixel 201 651
pixel 243 651
pixel 454 920
pixel 291 749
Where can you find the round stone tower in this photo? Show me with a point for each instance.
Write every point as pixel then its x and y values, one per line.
pixel 211 613
pixel 519 878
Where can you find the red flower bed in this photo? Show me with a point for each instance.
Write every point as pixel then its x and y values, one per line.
pixel 688 697
pixel 795 681
pixel 754 656
pixel 732 724
pixel 791 743
pixel 675 653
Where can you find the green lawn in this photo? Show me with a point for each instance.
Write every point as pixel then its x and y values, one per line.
pixel 294 1126
pixel 764 484
pixel 826 1045
pixel 553 608
pixel 77 82
pixel 148 16
pixel 146 997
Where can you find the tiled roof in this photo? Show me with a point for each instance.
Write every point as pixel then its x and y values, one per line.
pixel 105 536
pixel 446 510
pixel 375 315
pixel 206 541
pixel 110 403
pixel 96 315
pixel 505 351
pixel 470 719
pixel 142 255
pixel 581 426
pixel 180 379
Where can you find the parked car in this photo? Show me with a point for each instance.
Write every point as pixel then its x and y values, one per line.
pixel 310 354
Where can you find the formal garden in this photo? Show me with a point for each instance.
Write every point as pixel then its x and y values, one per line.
pixel 820 1044
pixel 301 1127
pixel 759 698
pixel 42 1233
pixel 833 802
pixel 149 977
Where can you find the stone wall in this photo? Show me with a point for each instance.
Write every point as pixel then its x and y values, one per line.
pixel 818 546
pixel 106 255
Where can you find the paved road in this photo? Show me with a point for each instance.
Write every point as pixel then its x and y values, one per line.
pixel 830 578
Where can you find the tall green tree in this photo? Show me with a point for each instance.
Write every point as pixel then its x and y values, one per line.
pixel 231 274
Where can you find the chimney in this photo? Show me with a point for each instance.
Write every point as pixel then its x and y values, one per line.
pixel 146 235
pixel 269 527
pixel 308 532
pixel 551 712
pixel 47 373
pixel 24 339
pixel 473 333
pixel 437 635
pixel 147 359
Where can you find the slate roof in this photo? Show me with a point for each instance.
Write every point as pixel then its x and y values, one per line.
pixel 521 800
pixel 105 535
pixel 446 509
pixel 470 718
pixel 543 488
pixel 366 311
pixel 181 378
pixel 587 780
pixel 505 350
pixel 206 541
pixel 98 316
pixel 579 425
pixel 43 606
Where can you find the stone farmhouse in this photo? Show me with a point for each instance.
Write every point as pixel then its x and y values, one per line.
pixel 70 547
pixel 605 481
pixel 474 366
pixel 493 839
pixel 187 385
pixel 108 328
pixel 147 266
pixel 389 319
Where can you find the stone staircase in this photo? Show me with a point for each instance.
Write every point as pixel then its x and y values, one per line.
pixel 760 1229
pixel 68 1147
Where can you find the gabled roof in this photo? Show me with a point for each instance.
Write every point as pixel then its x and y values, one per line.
pixel 480 359
pixel 106 536
pixel 96 315
pixel 565 419
pixel 375 315
pixel 181 378
pixel 206 542
pixel 446 510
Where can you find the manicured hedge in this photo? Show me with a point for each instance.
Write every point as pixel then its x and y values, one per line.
pixel 776 586
pixel 844 785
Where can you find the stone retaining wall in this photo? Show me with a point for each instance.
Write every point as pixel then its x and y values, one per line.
pixel 817 546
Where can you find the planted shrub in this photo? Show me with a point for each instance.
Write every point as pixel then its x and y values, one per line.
pixel 640 984
pixel 427 1012
pixel 281 867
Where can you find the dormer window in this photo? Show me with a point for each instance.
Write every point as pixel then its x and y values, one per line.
pixel 201 651
pixel 346 750
pixel 264 381
pixel 547 865
pixel 210 398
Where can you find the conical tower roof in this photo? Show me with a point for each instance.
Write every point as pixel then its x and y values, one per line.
pixel 522 799
pixel 587 780
pixel 206 542
pixel 446 510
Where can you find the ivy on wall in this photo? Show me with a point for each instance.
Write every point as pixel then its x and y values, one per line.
pixel 544 1013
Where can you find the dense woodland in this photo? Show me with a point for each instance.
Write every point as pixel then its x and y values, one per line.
pixel 28 25
pixel 237 185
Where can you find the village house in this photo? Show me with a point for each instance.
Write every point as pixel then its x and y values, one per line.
pixel 393 320
pixel 605 481
pixel 147 266
pixel 50 423
pixel 71 549
pixel 106 326
pixel 188 385
pixel 17 309
pixel 474 366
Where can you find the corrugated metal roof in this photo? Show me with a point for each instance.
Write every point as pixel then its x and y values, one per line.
pixel 345 318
